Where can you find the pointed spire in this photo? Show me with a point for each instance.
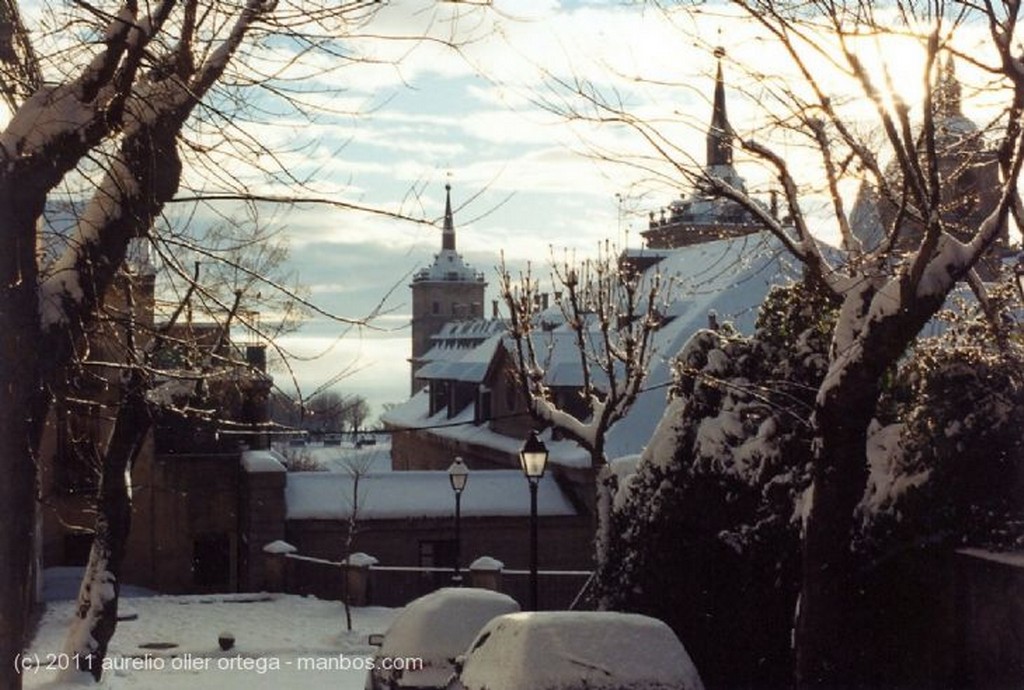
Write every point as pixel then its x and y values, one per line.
pixel 448 234
pixel 947 91
pixel 720 133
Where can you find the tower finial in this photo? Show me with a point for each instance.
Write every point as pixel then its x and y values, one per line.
pixel 720 133
pixel 448 233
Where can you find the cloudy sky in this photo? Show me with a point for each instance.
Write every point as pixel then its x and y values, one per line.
pixel 390 130
pixel 524 180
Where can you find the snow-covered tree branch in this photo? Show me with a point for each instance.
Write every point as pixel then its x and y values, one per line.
pixel 603 319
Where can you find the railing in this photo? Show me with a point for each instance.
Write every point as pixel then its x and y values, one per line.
pixel 396 586
pixel 557 589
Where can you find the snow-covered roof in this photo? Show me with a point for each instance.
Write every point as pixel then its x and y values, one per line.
pixel 729 277
pixel 467 364
pixel 448 266
pixel 396 495
pixel 476 330
pixel 414 414
pixel 578 649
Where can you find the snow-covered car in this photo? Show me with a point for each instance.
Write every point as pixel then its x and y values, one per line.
pixel 419 649
pixel 570 650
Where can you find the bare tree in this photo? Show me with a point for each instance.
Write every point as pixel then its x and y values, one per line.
pixel 607 314
pixel 136 403
pixel 835 56
pixel 326 411
pixel 357 468
pixel 355 413
pixel 108 119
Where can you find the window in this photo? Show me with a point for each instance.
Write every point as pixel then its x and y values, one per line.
pixel 510 395
pixel 436 307
pixel 482 413
pixel 438 396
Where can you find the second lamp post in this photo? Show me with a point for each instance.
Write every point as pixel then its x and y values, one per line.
pixel 458 475
pixel 533 458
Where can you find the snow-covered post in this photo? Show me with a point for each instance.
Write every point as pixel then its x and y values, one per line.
pixel 262 518
pixel 357 578
pixel 275 563
pixel 486 573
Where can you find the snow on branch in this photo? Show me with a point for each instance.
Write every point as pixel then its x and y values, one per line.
pixel 580 367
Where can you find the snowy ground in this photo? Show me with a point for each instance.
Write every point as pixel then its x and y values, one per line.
pixel 282 641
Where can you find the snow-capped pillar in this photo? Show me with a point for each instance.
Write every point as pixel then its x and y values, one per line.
pixel 261 516
pixel 275 565
pixel 485 573
pixel 357 568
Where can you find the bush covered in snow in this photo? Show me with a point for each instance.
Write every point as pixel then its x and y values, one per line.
pixel 302 460
pixel 707 530
pixel 944 456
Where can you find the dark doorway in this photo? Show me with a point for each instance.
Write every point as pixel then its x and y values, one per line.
pixel 211 562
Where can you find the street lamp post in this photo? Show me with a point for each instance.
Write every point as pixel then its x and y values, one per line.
pixel 533 458
pixel 1018 274
pixel 458 475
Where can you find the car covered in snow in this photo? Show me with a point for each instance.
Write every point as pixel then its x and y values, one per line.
pixel 420 647
pixel 576 650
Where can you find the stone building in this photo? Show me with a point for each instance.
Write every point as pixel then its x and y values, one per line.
pixel 186 477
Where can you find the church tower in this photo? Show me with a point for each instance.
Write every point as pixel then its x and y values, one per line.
pixel 969 189
pixel 447 290
pixel 701 217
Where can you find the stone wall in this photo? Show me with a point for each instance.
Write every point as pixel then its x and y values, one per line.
pixel 565 543
pixel 990 619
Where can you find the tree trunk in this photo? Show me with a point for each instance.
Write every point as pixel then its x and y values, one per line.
pixel 825 646
pixel 17 492
pixel 826 641
pixel 21 400
pixel 96 611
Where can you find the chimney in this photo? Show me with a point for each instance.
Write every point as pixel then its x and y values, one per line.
pixel 256 357
pixel 544 301
pixel 494 309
